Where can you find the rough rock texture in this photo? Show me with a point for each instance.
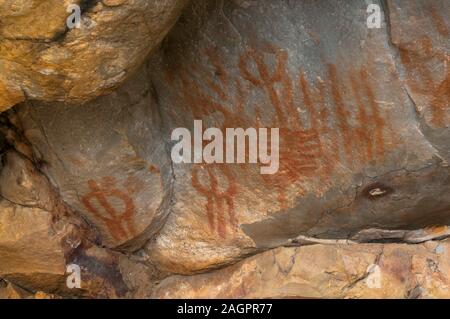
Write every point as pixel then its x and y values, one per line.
pixel 28 237
pixel 11 291
pixel 41 58
pixel 364 149
pixel 420 32
pixel 325 271
pixel 40 235
pixel 354 154
pixel 117 174
pixel 35 251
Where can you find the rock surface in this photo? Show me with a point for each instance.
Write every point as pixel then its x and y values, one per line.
pixel 42 58
pixel 364 127
pixel 40 235
pixel 354 153
pixel 11 291
pixel 345 136
pixel 325 271
pixel 117 174
pixel 28 243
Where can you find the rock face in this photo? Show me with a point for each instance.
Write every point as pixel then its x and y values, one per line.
pixel 418 53
pixel 117 175
pixel 40 236
pixel 42 58
pixel 357 151
pixel 325 271
pixel 11 291
pixel 26 238
pixel 363 118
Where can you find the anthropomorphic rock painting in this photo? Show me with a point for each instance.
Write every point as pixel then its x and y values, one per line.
pixel 225 149
pixel 352 147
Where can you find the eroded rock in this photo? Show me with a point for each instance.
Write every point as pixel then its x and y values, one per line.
pixel 41 58
pixel 353 153
pixel 420 32
pixel 325 271
pixel 11 291
pixel 40 236
pixel 29 245
pixel 108 160
pixel 363 120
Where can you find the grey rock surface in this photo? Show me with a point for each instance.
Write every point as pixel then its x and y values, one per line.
pixel 107 159
pixel 363 145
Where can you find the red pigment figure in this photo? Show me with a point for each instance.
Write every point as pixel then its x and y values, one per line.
pixel 217 199
pixel 120 225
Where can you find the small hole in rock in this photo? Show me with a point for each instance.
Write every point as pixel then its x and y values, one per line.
pixel 377 190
